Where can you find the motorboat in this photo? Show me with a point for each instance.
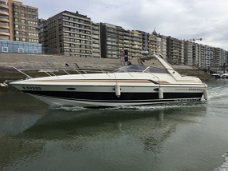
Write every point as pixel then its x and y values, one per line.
pixel 224 75
pixel 129 85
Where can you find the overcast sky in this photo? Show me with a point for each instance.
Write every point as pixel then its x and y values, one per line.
pixel 183 19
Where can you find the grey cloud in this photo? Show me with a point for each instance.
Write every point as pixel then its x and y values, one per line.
pixel 184 19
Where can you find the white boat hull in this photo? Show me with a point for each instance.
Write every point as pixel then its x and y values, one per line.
pixel 115 89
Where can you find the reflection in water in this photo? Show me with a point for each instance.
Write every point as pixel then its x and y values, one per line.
pixel 150 127
pixel 76 130
pixel 31 135
pixel 18 112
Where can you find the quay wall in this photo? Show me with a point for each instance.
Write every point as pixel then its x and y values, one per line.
pixel 31 63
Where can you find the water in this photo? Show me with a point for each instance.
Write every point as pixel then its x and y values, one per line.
pixel 186 137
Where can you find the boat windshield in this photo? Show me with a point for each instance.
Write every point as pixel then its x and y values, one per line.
pixel 140 68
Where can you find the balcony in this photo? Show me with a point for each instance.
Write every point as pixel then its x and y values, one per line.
pixel 4 34
pixel 3 19
pixel 4 26
pixel 3 5
pixel 4 12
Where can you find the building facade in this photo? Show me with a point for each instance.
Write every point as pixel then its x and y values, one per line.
pixel 136 43
pixel 196 55
pixel 188 53
pixel 218 60
pixel 157 44
pixel 113 40
pixel 6 27
pixel 96 42
pixel 25 22
pixel 175 51
pixel 127 42
pixel 69 34
pixel 162 46
pixel 152 44
pixel 18 22
pixel 18 28
pixel 206 57
pixel 20 47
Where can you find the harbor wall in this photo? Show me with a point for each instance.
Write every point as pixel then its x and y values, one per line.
pixel 31 63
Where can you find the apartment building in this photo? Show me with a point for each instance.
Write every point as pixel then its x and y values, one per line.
pixel 113 40
pixel 41 28
pixel 226 59
pixel 157 44
pixel 196 55
pixel 6 27
pixel 18 28
pixel 136 43
pixel 175 51
pixel 162 46
pixel 152 44
pixel 18 22
pixel 127 42
pixel 25 23
pixel 206 57
pixel 145 41
pixel 96 45
pixel 68 33
pixel 188 53
pixel 218 61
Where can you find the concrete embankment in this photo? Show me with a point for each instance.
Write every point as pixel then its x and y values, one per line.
pixel 193 71
pixel 31 64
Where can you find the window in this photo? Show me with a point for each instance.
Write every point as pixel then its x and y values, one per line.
pixel 4 49
pixel 20 50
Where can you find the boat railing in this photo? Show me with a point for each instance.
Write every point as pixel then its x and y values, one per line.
pixel 57 71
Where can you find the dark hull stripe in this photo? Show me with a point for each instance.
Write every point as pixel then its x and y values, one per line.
pixel 111 96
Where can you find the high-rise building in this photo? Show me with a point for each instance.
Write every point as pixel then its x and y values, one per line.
pixel 68 33
pixel 41 27
pixel 206 57
pixel 218 60
pixel 136 43
pixel 188 53
pixel 202 57
pixel 196 55
pixel 145 42
pixel 25 22
pixel 112 40
pixel 153 45
pixel 175 51
pixel 18 22
pixel 18 28
pixel 6 27
pixel 226 60
pixel 157 44
pixel 96 42
pixel 127 42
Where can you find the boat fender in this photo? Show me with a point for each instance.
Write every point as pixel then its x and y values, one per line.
pixel 205 94
pixel 160 93
pixel 117 90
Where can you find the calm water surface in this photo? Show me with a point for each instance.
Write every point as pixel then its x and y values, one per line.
pixel 186 137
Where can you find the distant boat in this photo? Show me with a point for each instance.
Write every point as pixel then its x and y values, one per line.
pixel 127 86
pixel 216 75
pixel 224 75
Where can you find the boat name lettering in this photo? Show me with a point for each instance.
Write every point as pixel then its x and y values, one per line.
pixel 195 89
pixel 31 88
